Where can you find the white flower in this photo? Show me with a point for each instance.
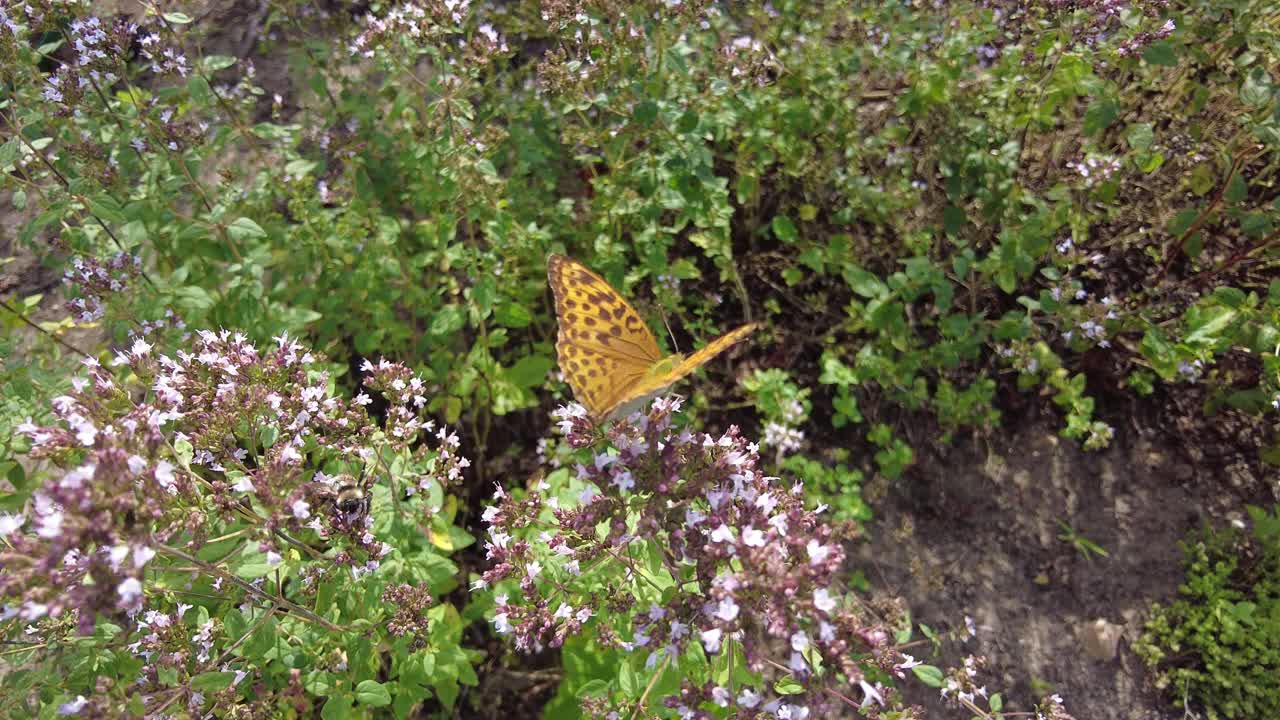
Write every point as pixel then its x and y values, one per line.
pixel 142 555
pixel 624 481
pixel 823 601
pixel 799 641
pixel 502 623
pixel 711 639
pixel 164 476
pixel 130 592
pixel 721 696
pixel 817 552
pixel 74 706
pixel 906 664
pixel 870 694
pixel 753 537
pixel 10 523
pixel 727 610
pixel 722 534
pixel 767 502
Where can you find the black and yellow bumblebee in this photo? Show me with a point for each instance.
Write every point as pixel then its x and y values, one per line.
pixel 351 497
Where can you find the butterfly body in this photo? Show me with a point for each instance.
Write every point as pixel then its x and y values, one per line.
pixel 606 351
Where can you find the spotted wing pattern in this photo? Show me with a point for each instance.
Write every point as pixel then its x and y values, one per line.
pixel 604 348
pixel 603 345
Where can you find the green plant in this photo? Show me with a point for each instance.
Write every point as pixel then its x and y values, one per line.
pixel 1214 648
pixel 1083 545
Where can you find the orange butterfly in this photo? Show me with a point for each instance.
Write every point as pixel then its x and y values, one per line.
pixel 605 350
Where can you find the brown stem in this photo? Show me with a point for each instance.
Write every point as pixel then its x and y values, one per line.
pixel 42 331
pixel 1171 251
pixel 288 604
pixel 1207 275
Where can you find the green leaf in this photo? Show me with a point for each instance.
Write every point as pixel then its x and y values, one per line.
pixel 929 675
pixel 1271 454
pixel 245 229
pixel 1161 52
pixel 996 703
pixel 953 219
pixel 178 18
pixel 8 153
pixel 1149 163
pixel 788 686
pixel 592 688
pixel 448 320
pixel 688 122
pixel 108 209
pixel 214 63
pixel 1209 324
pixel 530 371
pixel 513 315
pixel 212 681
pixel 784 229
pixel 337 708
pixel 1100 115
pixel 630 682
pixel 299 168
pixel 447 690
pixel 1141 136
pixel 199 90
pixel 1256 92
pixel 1237 189
pixel 373 694
pixel 864 283
pixel 192 299
pixel 646 112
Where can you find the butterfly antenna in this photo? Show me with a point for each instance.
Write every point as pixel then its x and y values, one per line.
pixel 675 346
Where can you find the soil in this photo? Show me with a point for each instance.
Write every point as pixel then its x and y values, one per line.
pixel 977 530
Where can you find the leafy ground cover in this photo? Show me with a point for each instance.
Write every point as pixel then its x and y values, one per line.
pixel 285 433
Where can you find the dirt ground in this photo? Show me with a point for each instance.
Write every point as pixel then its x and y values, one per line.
pixel 974 530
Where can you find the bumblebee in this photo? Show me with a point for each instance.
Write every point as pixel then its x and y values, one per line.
pixel 352 497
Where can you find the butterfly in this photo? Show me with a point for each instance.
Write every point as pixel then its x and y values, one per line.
pixel 605 350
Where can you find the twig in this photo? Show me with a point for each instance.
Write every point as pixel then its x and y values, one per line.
pixel 649 688
pixel 247 587
pixel 1171 251
pixel 42 331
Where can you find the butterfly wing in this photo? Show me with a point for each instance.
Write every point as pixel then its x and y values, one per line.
pixel 647 386
pixel 603 346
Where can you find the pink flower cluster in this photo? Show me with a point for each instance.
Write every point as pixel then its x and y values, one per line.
pixel 220 433
pixel 748 568
pixel 415 21
pixel 93 279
